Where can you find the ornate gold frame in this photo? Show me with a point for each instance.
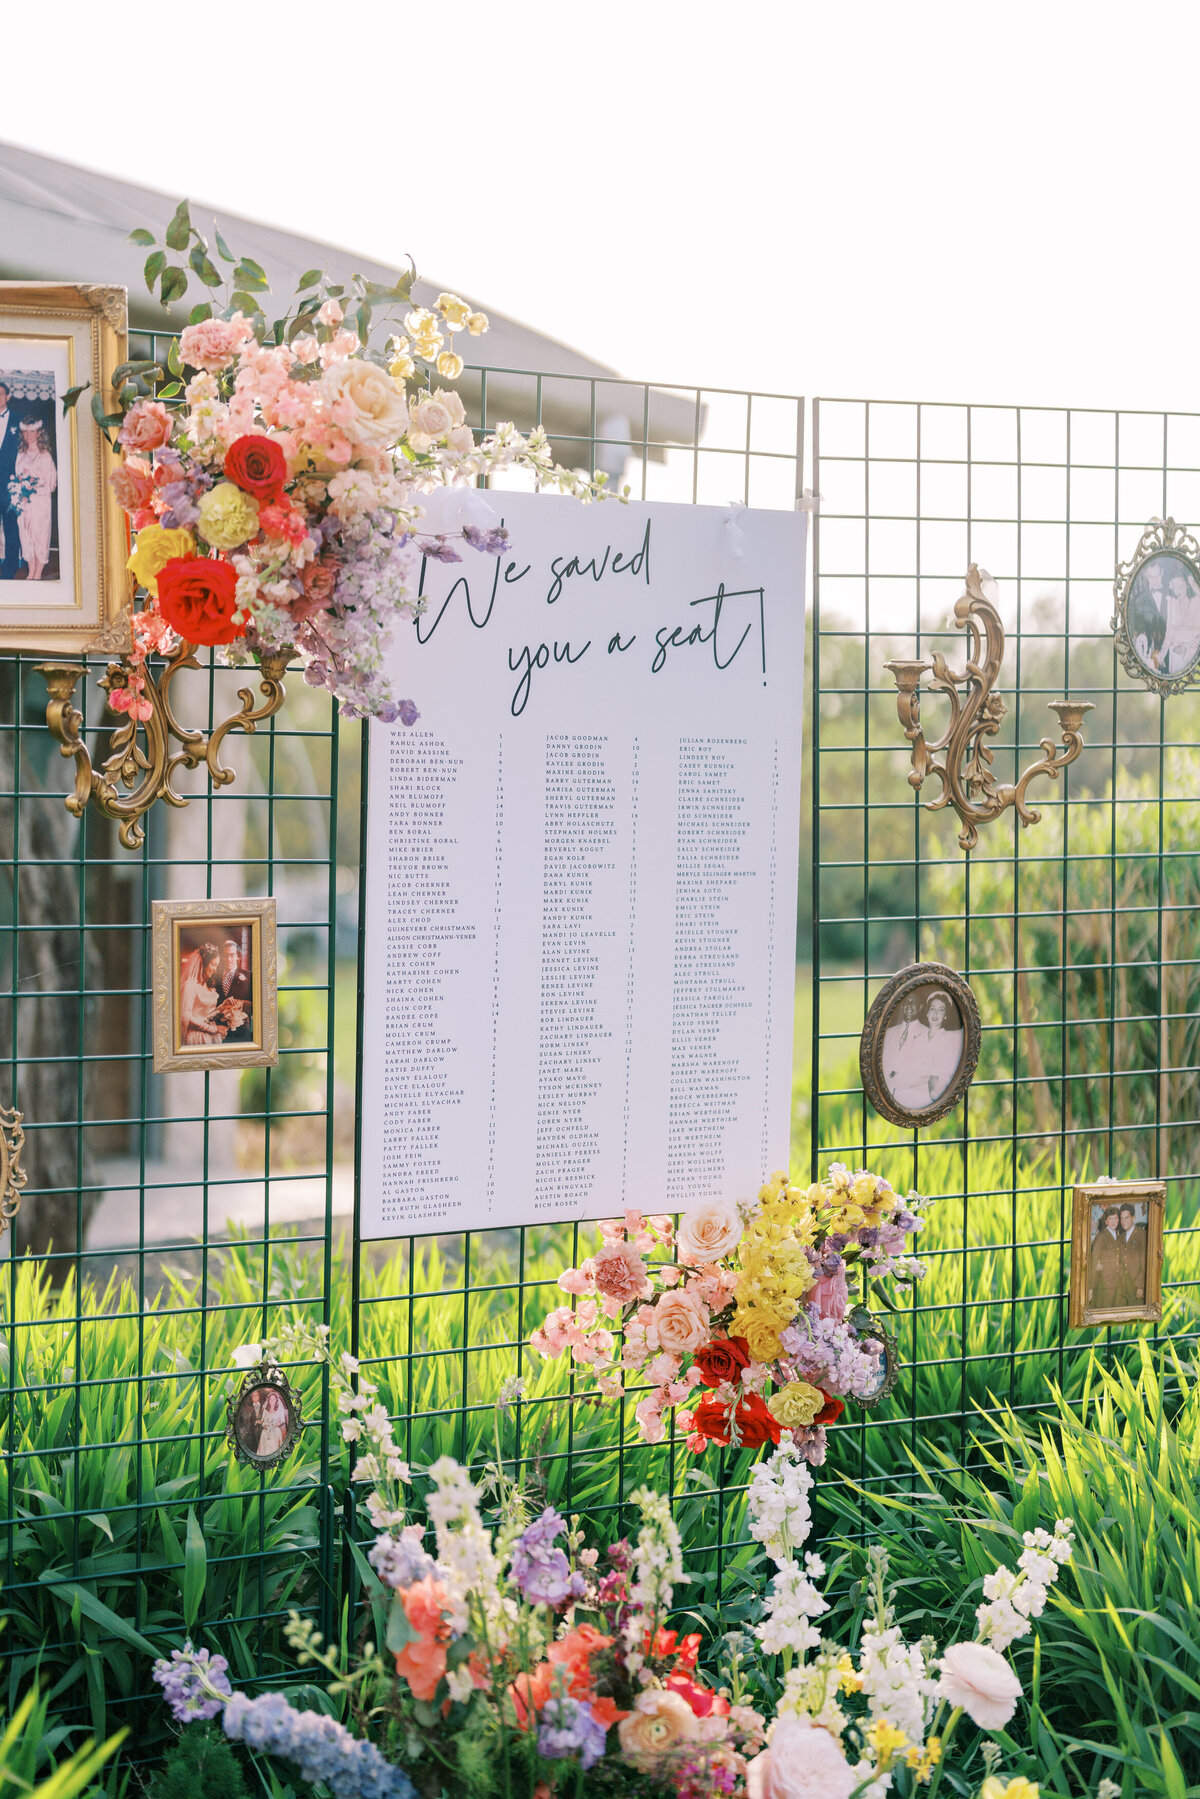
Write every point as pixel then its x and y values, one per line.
pixel 1162 537
pixel 92 321
pixel 264 1374
pixel 12 1175
pixel 867 1324
pixel 167 916
pixel 870 1044
pixel 1090 1193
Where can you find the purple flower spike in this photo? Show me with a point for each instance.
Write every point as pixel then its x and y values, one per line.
pixel 488 543
pixel 195 1684
pixel 437 549
pixel 569 1727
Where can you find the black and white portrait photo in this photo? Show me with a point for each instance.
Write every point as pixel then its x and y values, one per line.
pixel 29 533
pixel 1163 615
pixel 920 1044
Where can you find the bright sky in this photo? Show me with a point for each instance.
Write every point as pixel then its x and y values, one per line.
pixel 977 201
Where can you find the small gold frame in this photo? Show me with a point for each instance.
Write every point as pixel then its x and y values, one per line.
pixel 12 1175
pixel 170 919
pixel 868 1325
pixel 1136 611
pixel 1094 1195
pixel 873 1047
pixel 265 1376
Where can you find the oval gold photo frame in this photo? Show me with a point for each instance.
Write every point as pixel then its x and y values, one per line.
pixel 873 1044
pixel 1157 630
pixel 280 1436
pixel 868 1325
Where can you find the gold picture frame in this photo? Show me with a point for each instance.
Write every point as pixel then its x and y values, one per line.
pixel 56 337
pixel 221 1013
pixel 915 1059
pixel 1107 1262
pixel 263 1418
pixel 1156 609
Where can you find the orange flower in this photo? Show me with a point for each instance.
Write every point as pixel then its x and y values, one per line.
pixel 605 1709
pixel 529 1693
pixel 422 1665
pixel 424 1603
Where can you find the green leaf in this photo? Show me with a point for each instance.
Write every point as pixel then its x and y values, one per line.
pixel 174 284
pixel 364 321
pixel 72 394
pixel 199 313
pixel 309 278
pixel 143 366
pixel 204 268
pixel 141 236
pixel 171 390
pixel 248 274
pixel 223 249
pixel 155 264
pixel 95 1609
pixel 179 231
pixel 244 302
pixel 102 418
pixel 174 360
pixel 195 1569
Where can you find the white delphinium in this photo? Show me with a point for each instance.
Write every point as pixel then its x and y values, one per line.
pixel 1015 1596
pixel 794 1600
pixel 464 1548
pixel 778 1503
pixel 657 1565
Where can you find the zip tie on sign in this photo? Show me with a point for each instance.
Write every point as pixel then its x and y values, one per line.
pixel 810 501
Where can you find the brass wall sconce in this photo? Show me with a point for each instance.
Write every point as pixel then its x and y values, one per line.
pixel 148 774
pixel 12 1175
pixel 965 771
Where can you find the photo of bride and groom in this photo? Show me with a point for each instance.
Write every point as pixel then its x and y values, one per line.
pixel 216 988
pixel 29 542
pixel 216 1003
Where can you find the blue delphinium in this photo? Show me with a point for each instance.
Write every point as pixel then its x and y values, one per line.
pixel 569 1727
pixel 540 1569
pixel 321 1748
pixel 195 1684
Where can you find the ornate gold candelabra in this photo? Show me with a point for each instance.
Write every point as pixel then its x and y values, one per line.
pixel 965 771
pixel 148 774
pixel 12 1175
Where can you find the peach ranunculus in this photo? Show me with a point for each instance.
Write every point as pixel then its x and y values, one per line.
pixel 213 343
pixel 619 1272
pixel 681 1321
pixel 709 1234
pixel 658 1724
pixel 147 426
pixel 434 417
pixel 133 484
pixel 802 1762
pixel 981 1681
pixel 365 403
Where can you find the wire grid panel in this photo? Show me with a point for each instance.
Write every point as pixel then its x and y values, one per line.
pixel 442 1323
pixel 156 1214
pixel 1076 935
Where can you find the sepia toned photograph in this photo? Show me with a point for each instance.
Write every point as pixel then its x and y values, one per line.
pixel 1164 615
pixel 1116 1254
pixel 920 1044
pixel 215 1002
pixel 263 1419
pixel 29 544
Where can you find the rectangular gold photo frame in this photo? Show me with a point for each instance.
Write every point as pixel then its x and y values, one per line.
pixel 210 1009
pixel 1107 1261
pixel 63 537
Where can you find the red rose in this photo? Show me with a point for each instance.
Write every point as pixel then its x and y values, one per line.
pixel 197 595
pixel 723 1359
pixel 755 1423
pixel 831 1411
pixel 256 464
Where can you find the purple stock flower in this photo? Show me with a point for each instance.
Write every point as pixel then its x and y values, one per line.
pixel 489 543
pixel 540 1569
pixel 437 549
pixel 569 1727
pixel 195 1684
pixel 320 1747
pixel 180 503
pixel 401 1561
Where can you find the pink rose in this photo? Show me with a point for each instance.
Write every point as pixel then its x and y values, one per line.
pixel 620 1272
pixel 213 343
pixel 133 484
pixel 681 1321
pixel 147 426
pixel 803 1762
pixel 831 1296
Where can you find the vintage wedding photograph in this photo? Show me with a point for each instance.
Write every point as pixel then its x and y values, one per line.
pixel 1116 1252
pixel 215 1002
pixel 264 1420
pixel 1163 618
pixel 920 1044
pixel 29 546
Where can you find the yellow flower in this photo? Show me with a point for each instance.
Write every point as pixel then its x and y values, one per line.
pixel 477 323
pixel 761 1333
pixel 924 1761
pixel 456 312
pixel 848 1677
pixel 796 1404
pixel 449 365
pixel 420 322
pixel 846 1218
pixel 157 545
pixel 402 367
pixel 886 1741
pixel 228 517
pixel 1017 1788
pixel 427 347
pixel 863 1190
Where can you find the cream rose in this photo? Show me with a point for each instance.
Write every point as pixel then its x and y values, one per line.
pixel 981 1681
pixel 709 1234
pixel 802 1762
pixel 681 1321
pixel 365 402
pixel 434 417
pixel 228 517
pixel 658 1724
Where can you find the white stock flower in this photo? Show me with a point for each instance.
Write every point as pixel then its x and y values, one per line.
pixel 248 1355
pixel 894 1680
pixel 778 1504
pixel 794 1600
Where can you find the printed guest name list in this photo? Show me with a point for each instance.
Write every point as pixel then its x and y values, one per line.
pixel 581 870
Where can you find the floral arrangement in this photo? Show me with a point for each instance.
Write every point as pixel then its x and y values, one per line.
pixel 21 489
pixel 274 482
pixel 742 1297
pixel 508 1658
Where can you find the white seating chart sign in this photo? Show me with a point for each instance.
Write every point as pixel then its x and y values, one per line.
pixel 581 871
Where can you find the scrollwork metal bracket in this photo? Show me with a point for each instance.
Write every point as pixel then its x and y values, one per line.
pixel 147 774
pixel 12 1175
pixel 965 768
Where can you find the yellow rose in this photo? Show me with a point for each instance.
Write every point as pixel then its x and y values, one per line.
pixel 477 323
pixel 228 517
pixel 428 345
pixel 795 1405
pixel 761 1333
pixel 456 312
pixel 449 365
pixel 157 545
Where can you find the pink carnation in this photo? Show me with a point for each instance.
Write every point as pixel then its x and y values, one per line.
pixel 620 1272
pixel 213 343
pixel 147 426
pixel 579 1280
